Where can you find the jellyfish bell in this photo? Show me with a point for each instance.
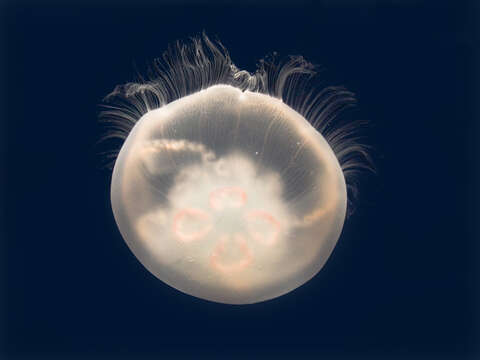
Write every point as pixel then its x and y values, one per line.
pixel 216 194
pixel 221 189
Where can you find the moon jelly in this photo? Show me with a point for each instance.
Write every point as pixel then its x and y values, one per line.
pixel 230 186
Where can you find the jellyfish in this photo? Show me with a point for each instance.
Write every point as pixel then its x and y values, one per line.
pixel 227 185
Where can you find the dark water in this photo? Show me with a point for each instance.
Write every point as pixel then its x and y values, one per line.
pixel 402 282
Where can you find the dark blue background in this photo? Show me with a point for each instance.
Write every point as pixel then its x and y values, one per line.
pixel 402 282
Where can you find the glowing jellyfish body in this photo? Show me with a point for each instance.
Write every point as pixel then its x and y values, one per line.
pixel 228 194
